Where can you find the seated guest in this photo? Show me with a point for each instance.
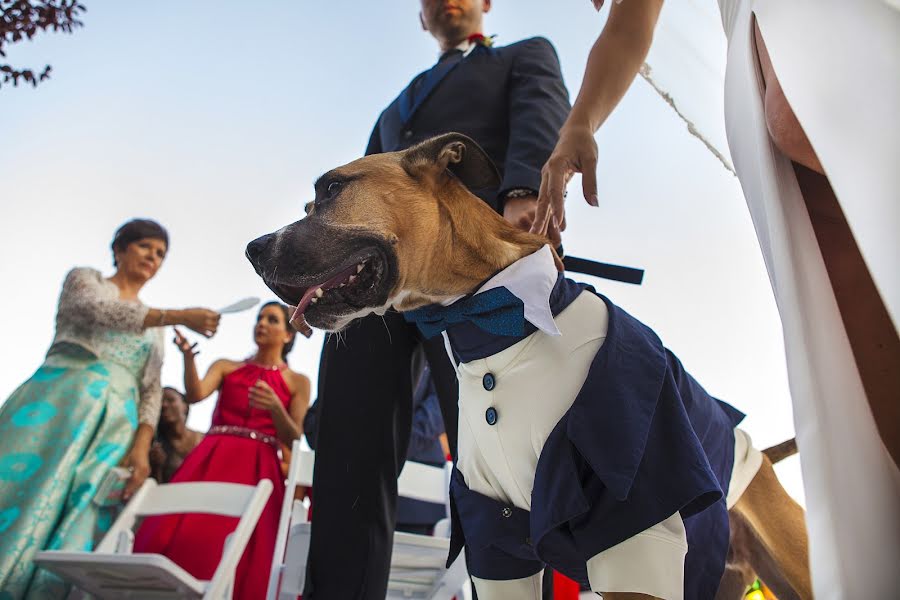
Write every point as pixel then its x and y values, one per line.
pixel 173 440
pixel 427 445
pixel 93 404
pixel 261 403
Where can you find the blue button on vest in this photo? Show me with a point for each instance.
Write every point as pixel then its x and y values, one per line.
pixel 489 381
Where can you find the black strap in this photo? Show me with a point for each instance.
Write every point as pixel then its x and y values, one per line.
pixel 604 270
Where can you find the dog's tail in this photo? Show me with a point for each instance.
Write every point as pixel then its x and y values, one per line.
pixel 781 451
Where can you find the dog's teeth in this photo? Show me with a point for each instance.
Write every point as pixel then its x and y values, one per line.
pixel 319 293
pixel 351 279
pixel 314 300
pixel 359 267
pixel 342 285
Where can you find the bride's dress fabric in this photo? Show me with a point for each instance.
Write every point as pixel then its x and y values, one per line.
pixel 839 65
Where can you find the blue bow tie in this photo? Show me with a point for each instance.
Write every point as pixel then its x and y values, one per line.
pixel 497 311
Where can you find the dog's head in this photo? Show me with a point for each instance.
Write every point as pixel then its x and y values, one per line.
pixel 397 229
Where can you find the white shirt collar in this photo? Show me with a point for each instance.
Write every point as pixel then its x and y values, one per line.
pixel 466 46
pixel 531 279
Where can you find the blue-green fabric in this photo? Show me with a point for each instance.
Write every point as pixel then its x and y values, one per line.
pixel 60 433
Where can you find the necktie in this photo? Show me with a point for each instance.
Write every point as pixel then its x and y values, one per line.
pixel 497 311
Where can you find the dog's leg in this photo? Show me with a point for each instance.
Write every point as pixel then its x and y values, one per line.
pixel 739 573
pixel 775 531
pixel 734 583
pixel 528 588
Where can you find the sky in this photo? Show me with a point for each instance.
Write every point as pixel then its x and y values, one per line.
pixel 215 118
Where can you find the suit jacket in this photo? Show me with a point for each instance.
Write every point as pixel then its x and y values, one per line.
pixel 509 99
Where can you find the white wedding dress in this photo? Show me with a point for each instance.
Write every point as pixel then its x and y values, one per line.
pixel 838 62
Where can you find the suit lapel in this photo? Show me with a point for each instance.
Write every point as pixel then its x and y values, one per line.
pixel 410 99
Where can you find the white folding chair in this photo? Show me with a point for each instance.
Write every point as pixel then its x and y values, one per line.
pixel 114 572
pixel 284 574
pixel 418 561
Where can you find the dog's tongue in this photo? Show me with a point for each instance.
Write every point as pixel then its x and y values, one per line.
pixel 299 320
pixel 299 323
pixel 304 302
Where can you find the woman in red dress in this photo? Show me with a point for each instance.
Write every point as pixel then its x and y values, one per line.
pixel 261 402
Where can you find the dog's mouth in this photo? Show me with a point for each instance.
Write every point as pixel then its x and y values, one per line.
pixel 358 283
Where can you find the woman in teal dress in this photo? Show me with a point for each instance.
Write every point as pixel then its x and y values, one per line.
pixel 92 405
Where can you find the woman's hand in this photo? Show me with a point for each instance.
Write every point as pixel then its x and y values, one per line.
pixel 138 463
pixel 262 396
pixel 202 320
pixel 184 345
pixel 575 152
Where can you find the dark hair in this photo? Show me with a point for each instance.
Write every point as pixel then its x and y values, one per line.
pixel 137 229
pixel 187 406
pixel 287 324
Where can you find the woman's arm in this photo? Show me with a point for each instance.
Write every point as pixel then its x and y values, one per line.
pixel 615 60
pixel 201 320
pixel 612 65
pixel 195 388
pixel 87 301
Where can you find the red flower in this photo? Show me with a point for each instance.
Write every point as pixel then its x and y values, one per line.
pixel 479 38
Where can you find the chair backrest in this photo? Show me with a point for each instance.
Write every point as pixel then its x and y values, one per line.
pixel 229 499
pixel 217 498
pixel 416 481
pixel 298 472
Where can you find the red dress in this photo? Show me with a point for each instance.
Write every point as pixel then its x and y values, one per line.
pixel 227 453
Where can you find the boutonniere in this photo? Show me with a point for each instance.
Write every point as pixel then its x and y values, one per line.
pixel 480 38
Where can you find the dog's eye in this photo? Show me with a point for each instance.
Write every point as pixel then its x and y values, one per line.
pixel 333 188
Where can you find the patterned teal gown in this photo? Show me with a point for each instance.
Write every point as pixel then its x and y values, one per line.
pixel 60 433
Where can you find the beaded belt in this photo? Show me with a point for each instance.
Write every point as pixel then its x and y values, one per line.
pixel 246 432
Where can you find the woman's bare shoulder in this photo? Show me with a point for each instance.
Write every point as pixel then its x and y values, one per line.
pixel 297 380
pixel 226 365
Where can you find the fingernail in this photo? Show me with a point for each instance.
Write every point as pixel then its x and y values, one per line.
pixel 594 201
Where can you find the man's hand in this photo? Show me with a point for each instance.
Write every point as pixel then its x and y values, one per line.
pixel 521 211
pixel 575 152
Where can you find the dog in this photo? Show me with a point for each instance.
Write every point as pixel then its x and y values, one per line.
pixel 611 472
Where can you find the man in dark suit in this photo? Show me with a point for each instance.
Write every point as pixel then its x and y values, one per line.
pixel 512 101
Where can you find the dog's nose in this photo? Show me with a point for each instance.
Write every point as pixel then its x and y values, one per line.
pixel 257 247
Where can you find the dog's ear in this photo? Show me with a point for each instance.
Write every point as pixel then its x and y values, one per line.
pixel 456 153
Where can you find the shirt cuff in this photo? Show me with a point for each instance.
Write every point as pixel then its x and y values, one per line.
pixel 651 562
pixel 527 587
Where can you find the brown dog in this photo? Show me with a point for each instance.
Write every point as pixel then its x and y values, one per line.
pixel 401 230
